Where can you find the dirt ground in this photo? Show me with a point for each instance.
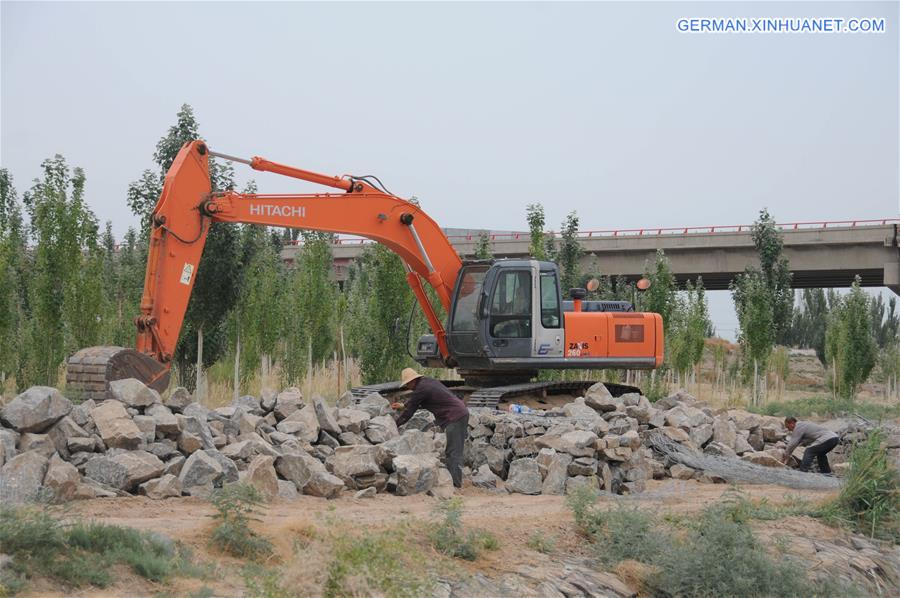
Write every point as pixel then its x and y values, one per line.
pixel 512 518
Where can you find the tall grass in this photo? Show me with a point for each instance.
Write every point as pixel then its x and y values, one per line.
pixel 824 406
pixel 869 501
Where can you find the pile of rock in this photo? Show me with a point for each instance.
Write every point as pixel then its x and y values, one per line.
pixel 137 444
pixel 134 443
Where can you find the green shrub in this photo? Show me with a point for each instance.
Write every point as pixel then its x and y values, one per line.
pixel 541 543
pixel 450 538
pixel 372 564
pixel 869 501
pixel 825 406
pixel 80 554
pixel 236 506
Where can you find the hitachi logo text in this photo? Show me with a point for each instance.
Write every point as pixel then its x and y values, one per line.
pixel 257 209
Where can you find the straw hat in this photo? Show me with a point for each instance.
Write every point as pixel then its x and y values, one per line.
pixel 408 375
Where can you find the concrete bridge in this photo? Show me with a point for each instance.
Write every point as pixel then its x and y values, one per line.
pixel 821 254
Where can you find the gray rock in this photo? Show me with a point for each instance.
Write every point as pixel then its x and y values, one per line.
pixel 289 400
pixel 165 449
pixel 369 492
pixel 147 425
pixel 62 479
pixel 22 477
pixel 685 417
pixel 115 426
pixel 76 445
pixel 592 482
pixel 326 439
pixel 324 484
pixel 167 486
pixel 724 432
pixel 578 409
pixel 524 447
pixel 166 422
pixel 381 429
pixel 179 399
pixel 326 416
pixel 578 443
pixel 200 474
pixel 267 399
pixel 195 434
pixel 741 445
pixel 174 465
pixel 196 410
pixel 505 430
pixel 302 423
pixel 261 475
pixel 229 469
pixel 421 420
pixel 350 463
pixel 81 413
pixel 701 434
pixel 498 459
pixel 374 404
pixel 485 478
pixel 287 490
pixel 770 458
pixel 557 473
pixel 249 448
pixel 249 404
pixel 415 473
pixel 353 420
pixel 718 449
pixel 133 393
pixel 443 489
pixel 681 472
pixel 8 441
pixel 524 477
pixel 586 466
pixel 348 438
pixel 298 468
pixel 107 471
pixel 411 442
pixel 35 410
pixel 36 442
pixel 61 432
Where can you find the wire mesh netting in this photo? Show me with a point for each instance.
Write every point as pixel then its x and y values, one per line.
pixel 733 469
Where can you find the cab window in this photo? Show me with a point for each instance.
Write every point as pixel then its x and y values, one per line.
pixel 549 300
pixel 464 317
pixel 511 305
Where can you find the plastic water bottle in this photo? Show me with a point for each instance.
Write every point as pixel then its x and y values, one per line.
pixel 516 408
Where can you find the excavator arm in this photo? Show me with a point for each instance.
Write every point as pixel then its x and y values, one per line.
pixel 180 223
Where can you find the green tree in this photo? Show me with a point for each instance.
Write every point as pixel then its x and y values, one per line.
pixel 662 295
pixel 688 327
pixel 808 322
pixel 483 248
pixel 568 253
pixel 756 333
pixel 536 223
pixel 379 302
pixel 66 295
pixel 311 304
pixel 849 342
pixel 12 280
pixel 776 271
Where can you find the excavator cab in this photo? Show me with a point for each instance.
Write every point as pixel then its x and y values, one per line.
pixel 509 316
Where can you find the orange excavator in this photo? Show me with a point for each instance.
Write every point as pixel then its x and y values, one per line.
pixel 506 318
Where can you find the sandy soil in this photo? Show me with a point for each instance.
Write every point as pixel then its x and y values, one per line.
pixel 512 518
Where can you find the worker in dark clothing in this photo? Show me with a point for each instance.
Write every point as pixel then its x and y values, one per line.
pixel 450 414
pixel 818 440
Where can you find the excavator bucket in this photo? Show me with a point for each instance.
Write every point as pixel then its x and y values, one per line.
pixel 89 371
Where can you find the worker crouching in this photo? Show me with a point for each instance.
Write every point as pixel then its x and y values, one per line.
pixel 450 414
pixel 818 440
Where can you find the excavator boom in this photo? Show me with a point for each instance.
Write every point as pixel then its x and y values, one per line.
pixel 180 223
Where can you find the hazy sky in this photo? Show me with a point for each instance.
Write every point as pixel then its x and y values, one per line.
pixel 477 109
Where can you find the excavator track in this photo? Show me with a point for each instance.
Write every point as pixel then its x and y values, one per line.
pixel 490 397
pixel 89 371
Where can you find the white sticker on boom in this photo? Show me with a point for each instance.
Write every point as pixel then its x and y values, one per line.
pixel 186 273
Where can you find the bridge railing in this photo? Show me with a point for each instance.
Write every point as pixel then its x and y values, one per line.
pixel 646 232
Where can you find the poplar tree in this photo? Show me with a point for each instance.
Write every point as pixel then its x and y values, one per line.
pixel 12 280
pixel 568 253
pixel 534 213
pixel 849 342
pixel 483 248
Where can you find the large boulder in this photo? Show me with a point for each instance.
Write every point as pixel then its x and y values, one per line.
pixel 374 404
pixel 600 399
pixel 326 416
pixel 579 410
pixel 324 484
pixel 686 417
pixel 261 475
pixel 288 401
pixel 167 486
pixel 485 478
pixel 35 410
pixel 415 473
pixel 179 400
pixel 724 432
pixel 249 448
pixel 557 473
pixel 107 471
pixel 353 420
pixel 200 474
pixel 524 477
pixel 62 479
pixel 8 441
pixel 302 423
pixel 195 434
pixel 133 392
pixel 350 463
pixel 249 404
pixel 411 442
pixel 22 477
pixel 770 458
pixel 381 429
pixel 166 422
pixel 578 443
pixel 298 468
pixel 115 426
pixel 62 431
pixel 140 466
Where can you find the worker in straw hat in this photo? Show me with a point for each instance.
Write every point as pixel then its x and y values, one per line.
pixel 450 414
